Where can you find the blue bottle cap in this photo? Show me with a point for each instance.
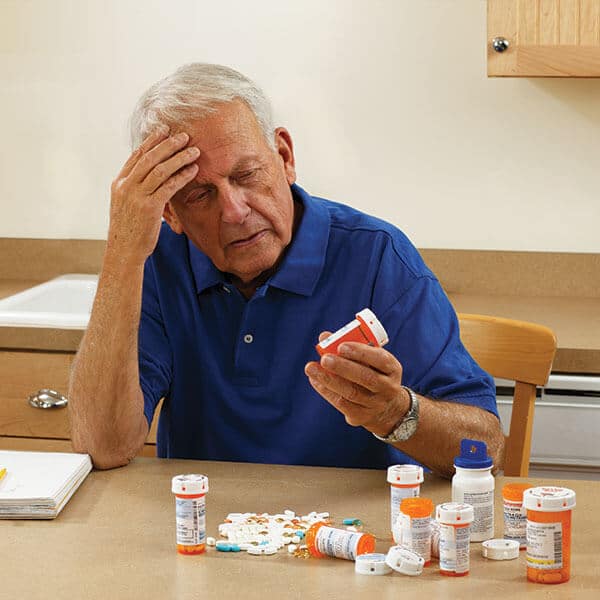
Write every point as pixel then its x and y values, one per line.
pixel 473 455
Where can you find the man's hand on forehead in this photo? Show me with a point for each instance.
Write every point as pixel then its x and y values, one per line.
pixel 162 165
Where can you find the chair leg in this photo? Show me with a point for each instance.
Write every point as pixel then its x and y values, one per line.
pixel 518 446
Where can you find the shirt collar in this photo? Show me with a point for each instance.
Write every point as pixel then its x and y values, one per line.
pixel 301 267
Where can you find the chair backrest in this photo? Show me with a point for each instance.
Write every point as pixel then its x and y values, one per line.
pixel 519 351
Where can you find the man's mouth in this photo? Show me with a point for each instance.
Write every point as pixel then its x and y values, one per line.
pixel 248 241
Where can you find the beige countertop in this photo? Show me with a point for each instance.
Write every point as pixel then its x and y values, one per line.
pixel 116 539
pixel 576 322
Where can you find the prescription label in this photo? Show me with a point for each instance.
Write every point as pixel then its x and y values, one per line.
pixel 483 509
pixel 191 521
pixel 454 548
pixel 340 333
pixel 544 545
pixel 515 523
pixel 333 542
pixel 415 533
pixel 397 495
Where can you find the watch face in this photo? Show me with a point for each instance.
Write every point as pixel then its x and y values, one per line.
pixel 405 430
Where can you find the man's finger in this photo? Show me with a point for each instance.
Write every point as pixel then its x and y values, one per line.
pixel 378 358
pixel 149 142
pixel 164 171
pixel 354 413
pixel 175 183
pixel 324 335
pixel 364 375
pixel 336 385
pixel 157 155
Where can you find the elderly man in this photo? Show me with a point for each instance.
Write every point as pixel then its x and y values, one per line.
pixel 218 310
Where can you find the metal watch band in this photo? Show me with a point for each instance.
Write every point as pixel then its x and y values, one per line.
pixel 406 428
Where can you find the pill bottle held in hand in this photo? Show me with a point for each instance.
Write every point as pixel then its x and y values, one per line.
pixel 365 329
pixel 190 512
pixel 474 484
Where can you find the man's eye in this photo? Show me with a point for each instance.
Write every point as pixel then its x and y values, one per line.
pixel 197 197
pixel 247 175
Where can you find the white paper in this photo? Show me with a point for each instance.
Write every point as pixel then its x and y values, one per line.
pixel 39 484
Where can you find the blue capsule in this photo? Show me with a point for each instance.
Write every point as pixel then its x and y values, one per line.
pixel 224 546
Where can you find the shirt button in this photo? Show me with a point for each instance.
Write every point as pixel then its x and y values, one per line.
pixel 248 338
pixel 226 289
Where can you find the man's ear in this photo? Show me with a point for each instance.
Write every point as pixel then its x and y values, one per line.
pixel 172 219
pixel 285 149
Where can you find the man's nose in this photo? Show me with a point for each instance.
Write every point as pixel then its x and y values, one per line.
pixel 234 207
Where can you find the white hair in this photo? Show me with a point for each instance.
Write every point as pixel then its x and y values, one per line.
pixel 191 93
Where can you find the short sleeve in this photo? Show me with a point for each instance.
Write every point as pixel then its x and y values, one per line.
pixel 425 337
pixel 154 351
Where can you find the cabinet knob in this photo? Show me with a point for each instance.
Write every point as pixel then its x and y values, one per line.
pixel 500 44
pixel 47 399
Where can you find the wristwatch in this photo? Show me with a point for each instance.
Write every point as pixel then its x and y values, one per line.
pixel 406 428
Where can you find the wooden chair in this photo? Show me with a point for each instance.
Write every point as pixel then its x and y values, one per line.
pixel 519 351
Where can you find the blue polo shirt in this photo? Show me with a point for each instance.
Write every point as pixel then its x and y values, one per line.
pixel 231 370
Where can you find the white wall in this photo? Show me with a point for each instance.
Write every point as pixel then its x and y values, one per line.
pixel 388 103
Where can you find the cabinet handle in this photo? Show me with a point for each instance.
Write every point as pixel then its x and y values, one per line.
pixel 500 44
pixel 47 399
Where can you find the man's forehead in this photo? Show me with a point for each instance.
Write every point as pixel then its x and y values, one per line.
pixel 231 124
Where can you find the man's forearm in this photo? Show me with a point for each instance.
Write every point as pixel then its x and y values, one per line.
pixel 442 425
pixel 105 399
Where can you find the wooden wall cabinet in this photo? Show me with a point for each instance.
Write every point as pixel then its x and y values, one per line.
pixel 546 38
pixel 23 427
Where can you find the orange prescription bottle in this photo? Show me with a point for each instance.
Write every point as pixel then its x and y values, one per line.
pixel 405 482
pixel 190 512
pixel 323 540
pixel 366 329
pixel 549 533
pixel 455 520
pixel 415 526
pixel 515 519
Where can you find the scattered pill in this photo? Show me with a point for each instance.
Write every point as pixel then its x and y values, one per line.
pixel 223 546
pixel 256 550
pixel 210 541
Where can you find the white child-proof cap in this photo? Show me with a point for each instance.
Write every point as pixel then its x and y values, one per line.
pixel 404 561
pixel 405 474
pixel 367 316
pixel 549 499
pixel 189 484
pixel 371 564
pixel 454 513
pixel 499 549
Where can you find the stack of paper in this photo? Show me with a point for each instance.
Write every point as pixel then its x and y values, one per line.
pixel 37 485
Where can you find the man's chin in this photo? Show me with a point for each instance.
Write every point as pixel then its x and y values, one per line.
pixel 255 274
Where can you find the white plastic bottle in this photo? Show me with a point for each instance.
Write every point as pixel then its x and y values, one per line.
pixel 474 484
